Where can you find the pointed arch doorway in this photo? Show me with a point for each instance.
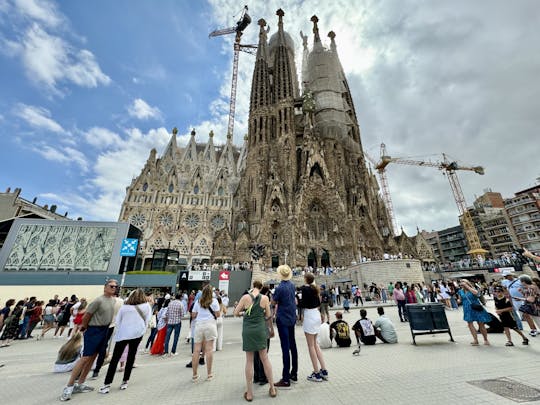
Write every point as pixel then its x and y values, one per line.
pixel 325 258
pixel 312 259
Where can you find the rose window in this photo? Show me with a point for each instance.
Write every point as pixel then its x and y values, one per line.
pixel 137 219
pixel 192 221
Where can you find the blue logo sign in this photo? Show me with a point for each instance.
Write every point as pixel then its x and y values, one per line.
pixel 129 247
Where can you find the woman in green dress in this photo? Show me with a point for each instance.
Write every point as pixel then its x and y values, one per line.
pixel 255 307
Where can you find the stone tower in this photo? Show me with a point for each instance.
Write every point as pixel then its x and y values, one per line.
pixel 305 191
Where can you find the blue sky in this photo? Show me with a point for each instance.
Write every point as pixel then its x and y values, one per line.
pixel 89 87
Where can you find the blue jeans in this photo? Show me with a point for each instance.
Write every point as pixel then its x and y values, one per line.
pixel 176 327
pixel 24 327
pixel 288 350
pixel 150 341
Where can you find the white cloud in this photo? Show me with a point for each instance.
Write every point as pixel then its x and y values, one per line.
pixel 141 110
pixel 101 197
pixel 63 154
pixel 102 138
pixel 43 11
pixel 38 117
pixel 40 38
pixel 50 60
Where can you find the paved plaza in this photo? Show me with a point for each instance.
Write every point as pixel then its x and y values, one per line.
pixel 435 371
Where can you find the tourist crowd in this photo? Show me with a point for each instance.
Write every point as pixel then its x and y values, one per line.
pixel 110 328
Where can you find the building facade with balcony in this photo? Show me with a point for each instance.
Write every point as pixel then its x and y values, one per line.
pixel 524 212
pixel 493 225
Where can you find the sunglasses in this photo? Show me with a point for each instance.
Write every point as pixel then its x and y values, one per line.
pixel 113 286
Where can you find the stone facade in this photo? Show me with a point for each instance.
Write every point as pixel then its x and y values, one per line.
pixel 181 199
pixel 306 193
pixel 299 186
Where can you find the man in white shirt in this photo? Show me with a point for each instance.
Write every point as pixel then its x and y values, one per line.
pixel 384 328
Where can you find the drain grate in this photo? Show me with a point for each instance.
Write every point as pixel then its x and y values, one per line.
pixel 509 388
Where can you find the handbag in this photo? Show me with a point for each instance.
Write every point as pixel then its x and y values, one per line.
pixel 474 305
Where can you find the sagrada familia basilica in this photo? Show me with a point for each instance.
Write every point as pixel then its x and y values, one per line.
pixel 298 188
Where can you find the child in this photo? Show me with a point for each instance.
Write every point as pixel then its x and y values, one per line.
pixel 346 304
pixel 77 319
pixel 504 310
pixel 69 353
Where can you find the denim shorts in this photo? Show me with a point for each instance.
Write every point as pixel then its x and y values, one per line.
pixel 95 337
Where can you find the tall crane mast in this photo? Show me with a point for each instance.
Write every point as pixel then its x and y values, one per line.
pixel 238 29
pixel 449 168
pixel 387 198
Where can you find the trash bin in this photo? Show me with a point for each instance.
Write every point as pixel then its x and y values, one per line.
pixel 427 319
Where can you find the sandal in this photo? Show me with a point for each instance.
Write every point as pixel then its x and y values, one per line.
pixel 246 397
pixel 525 342
pixel 509 344
pixel 210 377
pixel 195 378
pixel 474 343
pixel 272 392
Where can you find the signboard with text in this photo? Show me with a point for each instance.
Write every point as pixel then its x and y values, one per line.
pixel 224 276
pixel 199 275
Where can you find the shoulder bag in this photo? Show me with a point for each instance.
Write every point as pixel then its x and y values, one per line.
pixel 474 305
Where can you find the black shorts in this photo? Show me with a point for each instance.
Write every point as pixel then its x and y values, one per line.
pixel 95 337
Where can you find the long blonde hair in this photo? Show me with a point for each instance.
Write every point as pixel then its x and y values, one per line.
pixel 70 349
pixel 206 297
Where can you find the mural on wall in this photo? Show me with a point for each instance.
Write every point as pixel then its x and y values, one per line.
pixel 44 247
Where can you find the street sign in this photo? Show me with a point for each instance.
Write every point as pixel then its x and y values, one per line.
pixel 224 277
pixel 129 247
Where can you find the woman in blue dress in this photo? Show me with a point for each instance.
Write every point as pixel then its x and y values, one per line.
pixel 469 299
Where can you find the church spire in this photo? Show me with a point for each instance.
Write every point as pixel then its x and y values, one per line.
pixel 284 70
pixel 260 87
pixel 316 38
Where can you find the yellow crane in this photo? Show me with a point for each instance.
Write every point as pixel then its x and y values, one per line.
pixel 448 168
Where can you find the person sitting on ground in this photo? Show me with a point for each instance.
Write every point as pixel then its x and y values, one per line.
pixel 384 328
pixel 346 304
pixel 364 330
pixel 494 325
pixel 323 338
pixel 68 354
pixel 339 330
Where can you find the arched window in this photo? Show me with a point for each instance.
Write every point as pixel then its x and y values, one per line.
pixel 196 189
pixel 171 188
pixel 145 187
pixel 220 191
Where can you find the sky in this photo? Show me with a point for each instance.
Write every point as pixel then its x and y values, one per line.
pixel 87 88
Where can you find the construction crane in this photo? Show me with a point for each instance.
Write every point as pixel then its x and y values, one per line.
pixel 238 29
pixel 449 168
pixel 387 199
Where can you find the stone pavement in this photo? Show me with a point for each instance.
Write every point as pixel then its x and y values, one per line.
pixel 434 371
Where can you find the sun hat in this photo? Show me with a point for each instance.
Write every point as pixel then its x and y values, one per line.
pixel 284 272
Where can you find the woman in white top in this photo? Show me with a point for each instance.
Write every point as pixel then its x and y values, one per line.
pixel 131 322
pixel 205 311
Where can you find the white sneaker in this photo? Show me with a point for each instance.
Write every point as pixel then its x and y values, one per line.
pixel 124 385
pixel 105 389
pixel 66 393
pixel 533 332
